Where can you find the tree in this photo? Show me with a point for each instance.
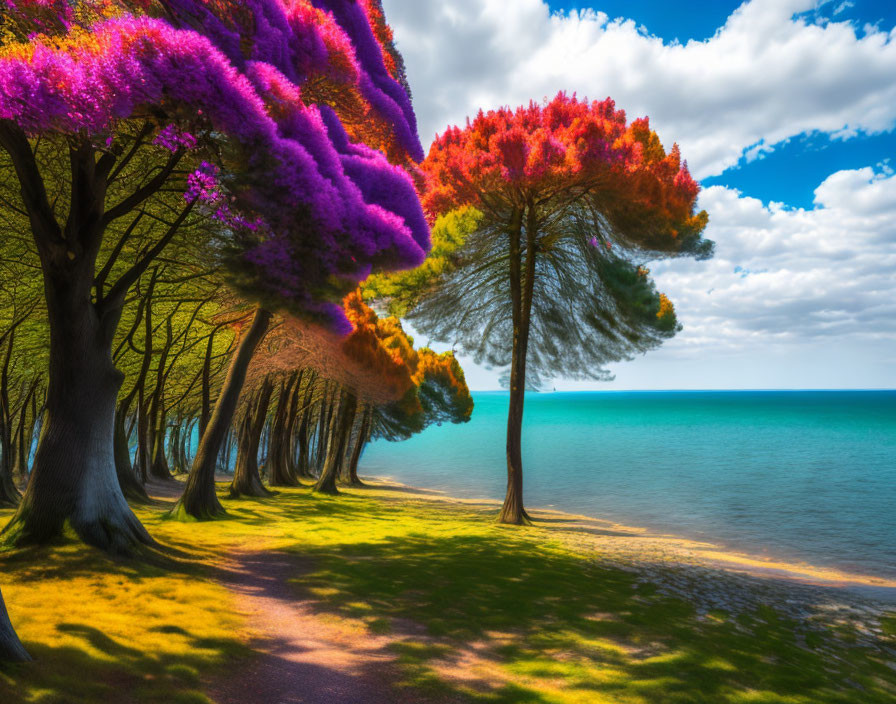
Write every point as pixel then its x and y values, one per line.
pixel 381 349
pixel 135 126
pixel 548 278
pixel 391 232
pixel 400 291
pixel 425 387
pixel 11 649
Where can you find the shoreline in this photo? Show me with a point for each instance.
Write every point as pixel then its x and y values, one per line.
pixel 638 544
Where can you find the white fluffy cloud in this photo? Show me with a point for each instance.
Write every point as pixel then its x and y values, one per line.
pixel 782 275
pixel 763 77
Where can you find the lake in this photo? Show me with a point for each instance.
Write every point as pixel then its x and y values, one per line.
pixel 798 475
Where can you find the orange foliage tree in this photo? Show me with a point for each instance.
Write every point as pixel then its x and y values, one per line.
pixel 372 383
pixel 571 196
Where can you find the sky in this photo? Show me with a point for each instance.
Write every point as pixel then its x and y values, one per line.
pixel 786 113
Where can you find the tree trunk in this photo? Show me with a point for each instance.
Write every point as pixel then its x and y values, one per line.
pixel 10 496
pixel 344 458
pixel 360 443
pixel 177 444
pixel 337 438
pixel 11 649
pixel 205 412
pixel 278 466
pixel 23 457
pixel 141 460
pixel 246 479
pixel 303 436
pixel 127 478
pixel 25 432
pixel 158 467
pixel 184 428
pixel 9 492
pixel 74 479
pixel 158 462
pixel 226 452
pixel 199 499
pixel 521 289
pixel 328 405
pixel 171 453
pixel 127 472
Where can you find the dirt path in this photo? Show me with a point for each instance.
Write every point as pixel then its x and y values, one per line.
pixel 303 657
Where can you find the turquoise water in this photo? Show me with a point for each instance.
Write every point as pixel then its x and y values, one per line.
pixel 804 475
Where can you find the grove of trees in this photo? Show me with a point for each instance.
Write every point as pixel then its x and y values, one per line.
pixel 214 213
pixel 180 177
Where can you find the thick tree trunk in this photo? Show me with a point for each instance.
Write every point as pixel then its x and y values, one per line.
pixel 358 448
pixel 337 438
pixel 199 499
pixel 74 478
pixel 246 478
pixel 11 648
pixel 521 289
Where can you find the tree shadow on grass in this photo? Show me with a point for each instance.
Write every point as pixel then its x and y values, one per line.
pixel 510 621
pixel 98 668
pixel 68 558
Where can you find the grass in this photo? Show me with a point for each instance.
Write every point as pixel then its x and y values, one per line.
pixel 474 612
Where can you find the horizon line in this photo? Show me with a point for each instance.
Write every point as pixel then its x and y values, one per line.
pixel 588 391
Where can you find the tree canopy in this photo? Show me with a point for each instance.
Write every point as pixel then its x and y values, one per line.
pixel 549 214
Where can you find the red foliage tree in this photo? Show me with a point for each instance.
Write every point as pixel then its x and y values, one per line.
pixel 570 192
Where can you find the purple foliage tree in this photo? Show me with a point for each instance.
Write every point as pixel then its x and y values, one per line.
pixel 103 119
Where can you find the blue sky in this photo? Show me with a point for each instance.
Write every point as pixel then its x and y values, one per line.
pixel 683 20
pixel 785 110
pixel 805 160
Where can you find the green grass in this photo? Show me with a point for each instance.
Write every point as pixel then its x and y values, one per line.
pixel 474 610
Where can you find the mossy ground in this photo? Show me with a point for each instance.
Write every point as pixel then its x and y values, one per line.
pixel 478 612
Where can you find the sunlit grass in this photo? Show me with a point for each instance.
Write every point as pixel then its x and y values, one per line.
pixel 97 628
pixel 482 612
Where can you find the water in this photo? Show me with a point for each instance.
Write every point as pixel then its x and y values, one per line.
pixel 799 475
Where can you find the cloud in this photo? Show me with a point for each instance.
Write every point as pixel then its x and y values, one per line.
pixel 790 276
pixel 764 77
pixel 843 6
